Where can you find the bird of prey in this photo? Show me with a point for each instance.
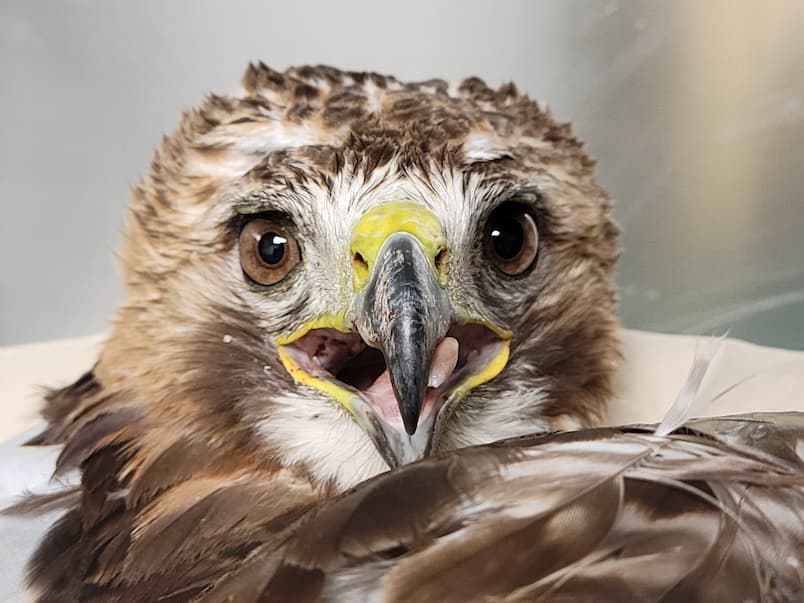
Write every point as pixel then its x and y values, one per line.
pixel 332 274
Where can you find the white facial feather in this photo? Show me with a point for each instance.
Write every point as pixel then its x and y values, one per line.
pixel 314 432
pixel 318 434
pixel 483 146
pixel 498 417
pixel 254 144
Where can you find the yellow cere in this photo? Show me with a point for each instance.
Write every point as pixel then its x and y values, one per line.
pixel 380 222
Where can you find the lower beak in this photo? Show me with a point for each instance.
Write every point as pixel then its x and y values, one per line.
pixel 404 312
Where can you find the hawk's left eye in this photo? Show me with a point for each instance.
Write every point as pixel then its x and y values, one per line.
pixel 267 252
pixel 512 240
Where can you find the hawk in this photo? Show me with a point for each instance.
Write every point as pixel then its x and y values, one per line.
pixel 328 275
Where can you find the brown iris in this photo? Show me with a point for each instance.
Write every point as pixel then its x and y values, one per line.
pixel 511 238
pixel 267 251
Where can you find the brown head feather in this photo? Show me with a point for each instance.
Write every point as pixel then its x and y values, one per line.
pixel 197 449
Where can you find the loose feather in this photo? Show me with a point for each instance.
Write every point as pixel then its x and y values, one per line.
pixel 684 406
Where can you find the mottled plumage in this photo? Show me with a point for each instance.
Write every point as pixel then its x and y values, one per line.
pixel 714 512
pixel 236 394
pixel 597 515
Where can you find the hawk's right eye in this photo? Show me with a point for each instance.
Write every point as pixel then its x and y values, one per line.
pixel 267 251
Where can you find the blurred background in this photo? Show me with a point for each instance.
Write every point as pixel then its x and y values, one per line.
pixel 694 109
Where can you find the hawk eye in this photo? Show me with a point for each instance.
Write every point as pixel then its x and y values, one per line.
pixel 267 251
pixel 511 238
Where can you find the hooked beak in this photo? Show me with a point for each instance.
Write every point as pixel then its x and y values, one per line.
pixel 404 313
pixel 400 356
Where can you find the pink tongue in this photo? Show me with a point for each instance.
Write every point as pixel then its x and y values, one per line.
pixel 445 358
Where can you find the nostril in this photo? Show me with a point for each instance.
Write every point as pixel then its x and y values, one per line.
pixel 441 259
pixel 361 267
pixel 359 260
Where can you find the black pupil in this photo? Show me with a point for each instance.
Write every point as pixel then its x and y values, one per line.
pixel 507 237
pixel 272 248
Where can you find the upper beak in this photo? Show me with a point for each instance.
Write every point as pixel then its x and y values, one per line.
pixel 404 312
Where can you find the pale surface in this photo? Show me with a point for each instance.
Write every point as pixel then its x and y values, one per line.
pixel 655 367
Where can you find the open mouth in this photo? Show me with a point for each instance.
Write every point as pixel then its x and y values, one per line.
pixel 400 354
pixel 459 362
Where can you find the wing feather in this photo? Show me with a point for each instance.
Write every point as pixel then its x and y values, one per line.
pixel 712 512
pixel 663 518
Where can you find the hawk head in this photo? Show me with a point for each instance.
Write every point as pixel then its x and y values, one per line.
pixel 339 272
